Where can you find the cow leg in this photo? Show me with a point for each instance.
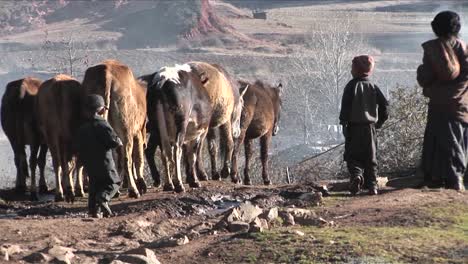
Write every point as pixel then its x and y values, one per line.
pixel 150 152
pixel 248 156
pixel 178 185
pixel 138 159
pixel 191 157
pixel 21 168
pixel 226 138
pixel 128 169
pixel 42 162
pixel 58 176
pixel 235 155
pixel 79 185
pixel 68 169
pixel 32 165
pixel 166 157
pixel 213 149
pixel 188 169
pixel 201 173
pixel 264 145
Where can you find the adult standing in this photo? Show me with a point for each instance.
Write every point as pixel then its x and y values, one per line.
pixel 444 78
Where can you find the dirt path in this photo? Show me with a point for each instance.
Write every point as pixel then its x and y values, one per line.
pixel 389 219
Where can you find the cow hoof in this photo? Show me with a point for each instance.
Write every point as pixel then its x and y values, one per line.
pixel 59 198
pixel 195 184
pixel 141 185
pixel 202 176
pixel 225 173
pixel 216 176
pixel 43 189
pixel 179 188
pixel 20 189
pixel 80 194
pixel 235 180
pixel 69 196
pixel 133 194
pixel 168 188
pixel 267 182
pixel 34 196
pixel 247 182
pixel 156 183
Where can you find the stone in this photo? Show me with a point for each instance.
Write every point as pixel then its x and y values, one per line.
pixel 37 257
pixel 288 219
pixel 8 250
pixel 304 216
pixel 314 198
pixel 259 225
pixel 146 252
pixel 137 258
pixel 270 215
pixel 299 233
pixel 382 182
pixel 245 212
pixel 170 242
pixel 62 254
pixel 238 226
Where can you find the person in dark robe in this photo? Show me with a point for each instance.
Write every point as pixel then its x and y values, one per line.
pixel 444 78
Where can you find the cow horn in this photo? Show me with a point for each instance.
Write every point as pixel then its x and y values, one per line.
pixel 244 91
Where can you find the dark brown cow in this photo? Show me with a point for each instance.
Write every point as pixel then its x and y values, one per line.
pixel 125 98
pixel 179 105
pixel 19 123
pixel 58 109
pixel 260 118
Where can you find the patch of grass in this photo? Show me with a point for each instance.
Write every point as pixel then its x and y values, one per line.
pixel 441 242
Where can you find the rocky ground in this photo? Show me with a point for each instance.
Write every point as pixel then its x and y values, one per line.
pixel 223 223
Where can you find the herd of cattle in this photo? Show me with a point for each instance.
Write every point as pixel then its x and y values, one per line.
pixel 175 109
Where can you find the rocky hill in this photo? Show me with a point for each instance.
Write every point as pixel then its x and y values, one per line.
pixel 126 24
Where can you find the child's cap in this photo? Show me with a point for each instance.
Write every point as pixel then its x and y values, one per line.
pixel 363 65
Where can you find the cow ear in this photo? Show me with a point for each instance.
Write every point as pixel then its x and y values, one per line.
pixel 203 78
pixel 280 88
pixel 244 90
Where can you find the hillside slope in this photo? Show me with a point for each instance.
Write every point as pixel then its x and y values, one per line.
pixel 126 24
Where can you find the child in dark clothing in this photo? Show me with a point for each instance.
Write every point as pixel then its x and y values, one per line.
pixel 363 110
pixel 95 141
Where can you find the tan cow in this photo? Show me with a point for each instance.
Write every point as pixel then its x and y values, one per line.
pixel 19 122
pixel 58 109
pixel 126 99
pixel 227 106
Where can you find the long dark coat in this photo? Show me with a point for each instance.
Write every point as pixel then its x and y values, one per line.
pixel 95 141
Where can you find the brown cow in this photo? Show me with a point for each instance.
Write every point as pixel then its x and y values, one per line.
pixel 19 123
pixel 180 112
pixel 58 109
pixel 227 106
pixel 125 98
pixel 260 117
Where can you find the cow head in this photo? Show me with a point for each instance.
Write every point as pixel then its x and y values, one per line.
pixel 276 98
pixel 236 114
pixel 170 88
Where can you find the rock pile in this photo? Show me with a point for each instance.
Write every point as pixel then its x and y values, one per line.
pixel 251 218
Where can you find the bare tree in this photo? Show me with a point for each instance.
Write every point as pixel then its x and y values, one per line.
pixel 321 71
pixel 65 55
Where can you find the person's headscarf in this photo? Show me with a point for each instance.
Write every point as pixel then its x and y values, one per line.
pixel 363 66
